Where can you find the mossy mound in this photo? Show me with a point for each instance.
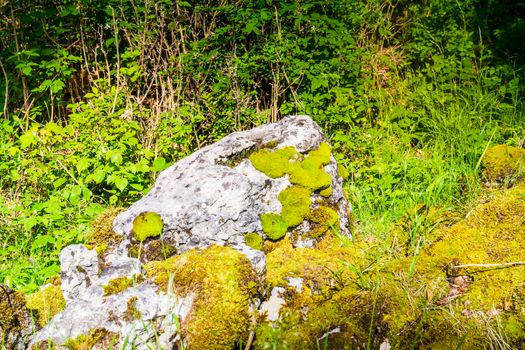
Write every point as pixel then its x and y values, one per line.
pixel 46 303
pixel 120 284
pixel 307 174
pixel 147 224
pixel 223 284
pixel 503 163
pixel 328 297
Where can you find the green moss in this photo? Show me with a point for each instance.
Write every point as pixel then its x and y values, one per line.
pixel 273 225
pixel 46 303
pixel 253 240
pixel 327 192
pixel 329 297
pixel 306 173
pixel 101 237
pixel 313 178
pixel 296 204
pixel 132 313
pixel 274 164
pixel 216 277
pixel 120 284
pixel 502 162
pixel 415 301
pixel 99 337
pixel 146 225
pixel 325 218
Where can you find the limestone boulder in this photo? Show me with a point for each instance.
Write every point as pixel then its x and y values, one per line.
pixel 217 196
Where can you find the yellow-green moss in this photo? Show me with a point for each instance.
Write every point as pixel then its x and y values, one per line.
pixel 46 303
pixel 417 300
pixel 273 226
pixel 120 284
pixel 306 173
pixel 502 162
pixel 274 164
pixel 342 171
pixel 327 192
pixel 147 224
pixel 296 204
pixel 329 297
pixel 101 235
pixel 217 277
pixel 325 219
pixel 100 337
pixel 253 240
pixel 493 233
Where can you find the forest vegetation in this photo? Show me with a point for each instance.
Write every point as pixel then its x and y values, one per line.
pixel 98 97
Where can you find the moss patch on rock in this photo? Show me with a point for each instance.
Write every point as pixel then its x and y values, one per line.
pixel 502 163
pixel 152 249
pixel 46 303
pixel 308 175
pixel 99 338
pixel 120 284
pixel 254 241
pixel 147 224
pixel 132 313
pixel 219 278
pixel 274 163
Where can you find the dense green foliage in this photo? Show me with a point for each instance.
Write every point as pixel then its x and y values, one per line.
pixel 97 97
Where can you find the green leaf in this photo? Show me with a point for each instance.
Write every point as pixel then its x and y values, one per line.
pixel 59 182
pixel 115 157
pixel 99 175
pixel 159 164
pixel 113 199
pixel 121 183
pixel 82 164
pixel 27 139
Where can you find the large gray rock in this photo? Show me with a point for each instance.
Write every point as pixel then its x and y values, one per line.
pixel 215 196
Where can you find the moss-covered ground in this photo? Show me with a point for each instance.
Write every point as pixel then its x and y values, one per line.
pixel 464 290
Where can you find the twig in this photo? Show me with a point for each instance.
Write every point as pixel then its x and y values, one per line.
pixel 510 264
